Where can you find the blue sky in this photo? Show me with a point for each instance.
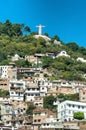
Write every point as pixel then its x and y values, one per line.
pixel 65 18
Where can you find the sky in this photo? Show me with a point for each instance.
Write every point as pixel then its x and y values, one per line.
pixel 65 18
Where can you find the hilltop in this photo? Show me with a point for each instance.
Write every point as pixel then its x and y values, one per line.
pixel 18 39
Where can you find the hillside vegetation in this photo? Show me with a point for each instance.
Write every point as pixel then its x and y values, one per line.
pixel 18 39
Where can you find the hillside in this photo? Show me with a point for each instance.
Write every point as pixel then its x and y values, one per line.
pixel 18 39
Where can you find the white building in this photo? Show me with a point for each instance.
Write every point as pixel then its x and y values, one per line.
pixel 63 53
pixel 67 108
pixel 81 59
pixel 4 71
pixel 16 90
pixel 32 91
pixel 16 57
pixel 43 87
pixel 6 113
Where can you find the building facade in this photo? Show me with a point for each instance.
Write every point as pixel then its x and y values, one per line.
pixel 67 108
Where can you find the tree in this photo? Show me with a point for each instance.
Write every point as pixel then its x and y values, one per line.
pixel 46 34
pixel 72 97
pixel 4 93
pixel 29 111
pixel 48 102
pixel 30 108
pixel 8 28
pixel 17 29
pixel 73 46
pixel 27 29
pixel 46 61
pixel 78 115
pixel 56 38
pixel 23 63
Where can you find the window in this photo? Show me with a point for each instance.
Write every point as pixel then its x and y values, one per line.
pixel 69 111
pixel 12 85
pixel 69 105
pixel 61 106
pixel 37 94
pixel 83 93
pixel 7 122
pixel 12 92
pixel 78 106
pixel 39 120
pixel 73 106
pixel 69 119
pixel 82 107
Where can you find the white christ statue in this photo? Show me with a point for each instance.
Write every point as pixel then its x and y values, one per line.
pixel 40 29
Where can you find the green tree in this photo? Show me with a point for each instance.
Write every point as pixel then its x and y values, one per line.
pixel 29 111
pixel 23 63
pixel 73 46
pixel 8 28
pixel 27 29
pixel 72 97
pixel 17 29
pixel 46 61
pixel 48 102
pixel 78 115
pixel 30 108
pixel 46 34
pixel 4 93
pixel 56 38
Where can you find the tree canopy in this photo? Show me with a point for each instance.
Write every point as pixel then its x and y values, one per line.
pixel 48 102
pixel 78 115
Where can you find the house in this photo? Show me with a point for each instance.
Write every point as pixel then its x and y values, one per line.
pixel 81 59
pixel 19 104
pixel 32 91
pixel 73 125
pixel 67 108
pixel 4 71
pixel 82 125
pixel 16 90
pixel 6 110
pixel 82 95
pixel 31 58
pixel 57 42
pixel 4 84
pixel 65 90
pixel 12 73
pixel 64 87
pixel 38 101
pixel 28 71
pixel 45 118
pixel 16 57
pixel 62 53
